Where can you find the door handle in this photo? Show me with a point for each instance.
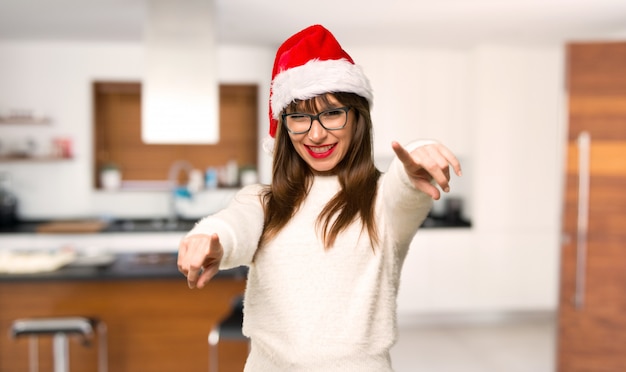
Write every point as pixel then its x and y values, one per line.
pixel 582 224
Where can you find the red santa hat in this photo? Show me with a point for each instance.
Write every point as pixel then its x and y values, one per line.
pixel 311 63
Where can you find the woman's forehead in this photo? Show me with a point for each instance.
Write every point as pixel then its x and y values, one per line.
pixel 317 103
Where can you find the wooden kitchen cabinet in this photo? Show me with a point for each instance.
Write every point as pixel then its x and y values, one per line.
pixel 118 139
pixel 153 324
pixel 592 311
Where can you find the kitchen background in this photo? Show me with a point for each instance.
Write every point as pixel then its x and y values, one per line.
pixel 499 103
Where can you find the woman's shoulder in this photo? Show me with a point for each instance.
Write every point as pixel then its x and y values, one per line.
pixel 250 194
pixel 256 188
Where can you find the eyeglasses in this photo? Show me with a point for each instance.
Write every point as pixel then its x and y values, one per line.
pixel 333 119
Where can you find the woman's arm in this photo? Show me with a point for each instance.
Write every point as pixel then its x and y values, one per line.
pixel 410 185
pixel 226 239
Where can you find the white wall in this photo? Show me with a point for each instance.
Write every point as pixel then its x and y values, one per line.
pixel 518 157
pixel 509 261
pixel 419 93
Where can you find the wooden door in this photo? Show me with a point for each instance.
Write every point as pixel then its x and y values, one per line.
pixel 592 311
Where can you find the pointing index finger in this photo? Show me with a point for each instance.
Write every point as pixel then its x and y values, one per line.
pixel 401 153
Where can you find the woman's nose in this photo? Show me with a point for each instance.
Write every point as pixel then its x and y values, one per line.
pixel 317 133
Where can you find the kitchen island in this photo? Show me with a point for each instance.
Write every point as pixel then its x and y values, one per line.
pixel 154 321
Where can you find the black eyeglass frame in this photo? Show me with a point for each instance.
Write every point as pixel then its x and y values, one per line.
pixel 345 109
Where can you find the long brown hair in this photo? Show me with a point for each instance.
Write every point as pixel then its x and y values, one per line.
pixel 292 177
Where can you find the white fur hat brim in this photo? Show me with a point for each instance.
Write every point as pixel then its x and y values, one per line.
pixel 318 77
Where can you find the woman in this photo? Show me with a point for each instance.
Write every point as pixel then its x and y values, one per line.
pixel 326 240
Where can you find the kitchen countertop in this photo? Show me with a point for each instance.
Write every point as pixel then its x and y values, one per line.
pixel 183 225
pixel 114 226
pixel 146 254
pixel 142 266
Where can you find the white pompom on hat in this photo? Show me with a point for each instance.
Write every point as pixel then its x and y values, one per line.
pixel 311 63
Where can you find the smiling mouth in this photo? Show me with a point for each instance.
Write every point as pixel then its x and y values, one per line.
pixel 320 149
pixel 319 152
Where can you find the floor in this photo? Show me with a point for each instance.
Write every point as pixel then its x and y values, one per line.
pixel 526 345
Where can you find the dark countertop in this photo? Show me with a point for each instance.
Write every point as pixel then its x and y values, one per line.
pixel 183 225
pixel 443 221
pixel 124 266
pixel 114 226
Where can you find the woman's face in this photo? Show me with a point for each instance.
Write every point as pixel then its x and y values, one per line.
pixel 320 148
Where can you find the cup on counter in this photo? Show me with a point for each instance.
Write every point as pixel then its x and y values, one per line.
pixel 211 180
pixel 248 176
pixel 110 177
pixel 453 209
pixel 196 181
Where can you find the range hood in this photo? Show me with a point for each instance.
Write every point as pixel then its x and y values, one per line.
pixel 179 86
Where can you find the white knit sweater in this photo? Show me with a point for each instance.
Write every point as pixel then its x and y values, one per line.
pixel 311 309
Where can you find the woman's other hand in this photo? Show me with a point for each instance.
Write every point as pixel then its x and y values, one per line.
pixel 199 258
pixel 427 163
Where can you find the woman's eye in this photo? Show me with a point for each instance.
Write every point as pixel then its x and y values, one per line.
pixel 298 117
pixel 332 113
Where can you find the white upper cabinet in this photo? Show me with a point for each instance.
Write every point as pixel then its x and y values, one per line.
pixel 418 94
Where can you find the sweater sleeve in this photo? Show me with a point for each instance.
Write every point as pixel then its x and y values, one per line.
pixel 404 207
pixel 238 226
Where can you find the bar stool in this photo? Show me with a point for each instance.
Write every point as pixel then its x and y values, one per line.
pixel 228 328
pixel 60 328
